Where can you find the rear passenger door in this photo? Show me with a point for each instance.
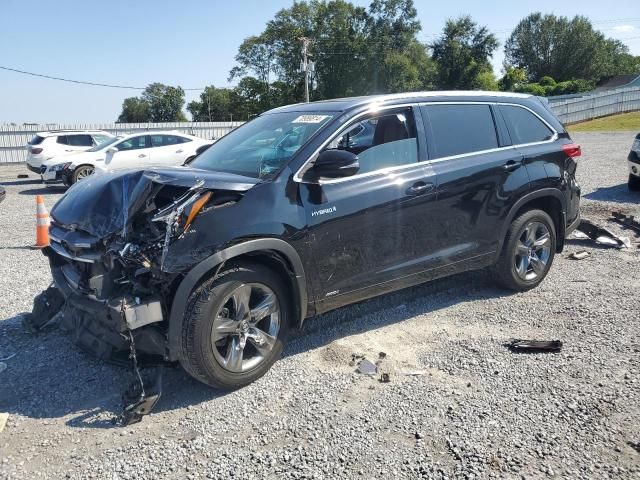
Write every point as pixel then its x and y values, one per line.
pixel 479 177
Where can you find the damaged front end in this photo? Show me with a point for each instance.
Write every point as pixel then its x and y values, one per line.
pixel 118 251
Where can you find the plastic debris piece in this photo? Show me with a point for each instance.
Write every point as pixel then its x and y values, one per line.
pixel 355 358
pixel 366 367
pixel 3 420
pixel 414 373
pixel 534 346
pixel 601 235
pixel 382 355
pixel 385 377
pixel 45 307
pixel 23 175
pixel 582 254
pixel 627 221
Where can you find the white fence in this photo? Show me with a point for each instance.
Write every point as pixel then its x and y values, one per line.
pixel 14 138
pixel 596 105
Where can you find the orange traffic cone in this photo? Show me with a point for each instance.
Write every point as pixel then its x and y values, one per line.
pixel 42 223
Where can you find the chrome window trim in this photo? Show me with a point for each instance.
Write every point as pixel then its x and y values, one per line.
pixel 376 108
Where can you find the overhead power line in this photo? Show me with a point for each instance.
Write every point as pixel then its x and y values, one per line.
pixel 82 82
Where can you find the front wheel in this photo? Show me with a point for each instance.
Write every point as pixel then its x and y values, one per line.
pixel 82 172
pixel 235 326
pixel 527 252
pixel 634 183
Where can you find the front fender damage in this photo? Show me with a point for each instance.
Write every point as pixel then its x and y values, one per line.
pixel 117 253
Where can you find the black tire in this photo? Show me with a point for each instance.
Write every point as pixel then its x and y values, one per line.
pixel 80 171
pixel 197 356
pixel 634 183
pixel 506 268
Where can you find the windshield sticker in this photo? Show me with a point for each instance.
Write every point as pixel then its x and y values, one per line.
pixel 310 118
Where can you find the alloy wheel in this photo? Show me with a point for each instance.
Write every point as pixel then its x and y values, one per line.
pixel 532 251
pixel 84 172
pixel 246 327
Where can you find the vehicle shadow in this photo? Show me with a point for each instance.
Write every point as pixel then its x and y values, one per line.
pixel 43 191
pixel 617 194
pixel 51 378
pixel 9 183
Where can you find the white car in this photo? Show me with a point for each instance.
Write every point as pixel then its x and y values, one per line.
pixel 138 150
pixel 46 145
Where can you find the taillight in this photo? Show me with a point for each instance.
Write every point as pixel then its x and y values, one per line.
pixel 572 150
pixel 36 151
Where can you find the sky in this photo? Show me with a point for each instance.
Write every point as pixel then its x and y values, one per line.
pixel 192 43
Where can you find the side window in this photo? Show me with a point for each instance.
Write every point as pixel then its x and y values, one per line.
pixel 184 140
pixel 133 143
pixel 460 129
pixel 382 141
pixel 80 140
pixel 524 126
pixel 165 140
pixel 62 140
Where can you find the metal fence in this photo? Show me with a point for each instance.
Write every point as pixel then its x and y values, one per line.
pixel 14 138
pixel 596 105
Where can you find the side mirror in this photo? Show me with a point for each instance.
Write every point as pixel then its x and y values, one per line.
pixel 112 150
pixel 334 164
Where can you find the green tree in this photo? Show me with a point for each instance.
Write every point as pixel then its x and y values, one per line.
pixel 564 49
pixel 214 105
pixel 462 54
pixel 356 51
pixel 165 103
pixel 512 79
pixel 134 110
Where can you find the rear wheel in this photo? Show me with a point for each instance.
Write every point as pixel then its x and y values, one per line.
pixel 235 326
pixel 81 172
pixel 527 252
pixel 634 183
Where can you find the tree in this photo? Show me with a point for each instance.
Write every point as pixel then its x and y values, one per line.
pixel 134 110
pixel 356 51
pixel 547 45
pixel 214 105
pixel 158 103
pixel 165 103
pixel 462 54
pixel 512 79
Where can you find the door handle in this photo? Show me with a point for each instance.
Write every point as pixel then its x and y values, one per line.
pixel 511 165
pixel 142 155
pixel 419 188
pixel 179 151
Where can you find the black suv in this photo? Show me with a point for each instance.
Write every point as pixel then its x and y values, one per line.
pixel 305 209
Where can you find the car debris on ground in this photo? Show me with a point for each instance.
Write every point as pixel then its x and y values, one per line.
pixel 627 221
pixel 600 235
pixel 366 367
pixel 579 255
pixel 534 346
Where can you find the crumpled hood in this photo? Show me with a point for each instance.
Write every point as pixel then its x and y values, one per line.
pixel 102 205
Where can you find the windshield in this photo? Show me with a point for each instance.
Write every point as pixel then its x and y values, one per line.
pixel 259 148
pixel 105 144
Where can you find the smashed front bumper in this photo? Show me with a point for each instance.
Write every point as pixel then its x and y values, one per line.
pixel 100 322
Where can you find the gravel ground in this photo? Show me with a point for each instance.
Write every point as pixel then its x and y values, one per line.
pixel 476 411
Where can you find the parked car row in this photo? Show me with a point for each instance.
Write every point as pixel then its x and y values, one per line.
pixel 67 157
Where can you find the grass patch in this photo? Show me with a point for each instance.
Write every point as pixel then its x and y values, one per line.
pixel 622 121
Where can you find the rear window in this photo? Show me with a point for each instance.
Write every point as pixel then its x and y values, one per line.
pixel 62 140
pixel 524 126
pixel 37 140
pixel 460 129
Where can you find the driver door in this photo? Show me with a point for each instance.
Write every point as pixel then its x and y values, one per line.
pixel 372 228
pixel 133 152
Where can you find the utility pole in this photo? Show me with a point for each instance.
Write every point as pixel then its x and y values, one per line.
pixel 304 66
